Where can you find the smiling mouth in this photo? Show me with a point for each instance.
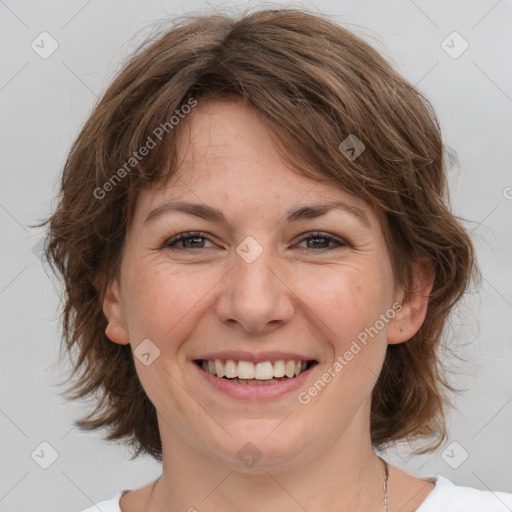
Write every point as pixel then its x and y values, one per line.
pixel 255 374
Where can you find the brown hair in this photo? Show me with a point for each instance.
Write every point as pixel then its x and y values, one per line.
pixel 316 83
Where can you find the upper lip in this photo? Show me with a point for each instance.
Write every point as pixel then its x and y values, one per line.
pixel 241 355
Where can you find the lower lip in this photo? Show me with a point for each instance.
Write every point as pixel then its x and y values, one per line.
pixel 257 391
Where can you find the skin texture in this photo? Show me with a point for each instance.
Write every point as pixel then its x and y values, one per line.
pixel 294 297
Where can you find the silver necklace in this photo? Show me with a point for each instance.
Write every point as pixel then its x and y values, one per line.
pixel 386 476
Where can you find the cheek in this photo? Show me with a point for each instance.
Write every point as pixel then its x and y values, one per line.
pixel 348 304
pixel 347 299
pixel 163 300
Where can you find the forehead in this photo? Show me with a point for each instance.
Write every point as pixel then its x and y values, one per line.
pixel 228 158
pixel 227 133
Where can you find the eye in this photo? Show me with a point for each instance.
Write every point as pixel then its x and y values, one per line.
pixel 196 240
pixel 191 239
pixel 322 240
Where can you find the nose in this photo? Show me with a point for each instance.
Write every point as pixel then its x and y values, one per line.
pixel 255 297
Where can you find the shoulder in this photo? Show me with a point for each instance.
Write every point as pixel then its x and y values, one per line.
pixel 448 497
pixel 111 505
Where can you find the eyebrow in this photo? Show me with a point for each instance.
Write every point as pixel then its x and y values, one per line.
pixel 308 211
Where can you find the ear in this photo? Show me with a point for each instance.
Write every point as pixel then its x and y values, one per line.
pixel 410 317
pixel 112 308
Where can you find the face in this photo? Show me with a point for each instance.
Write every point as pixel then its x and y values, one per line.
pixel 256 280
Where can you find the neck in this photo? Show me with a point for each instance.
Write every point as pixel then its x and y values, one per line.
pixel 346 476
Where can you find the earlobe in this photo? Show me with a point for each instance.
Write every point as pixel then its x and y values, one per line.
pixel 112 308
pixel 411 316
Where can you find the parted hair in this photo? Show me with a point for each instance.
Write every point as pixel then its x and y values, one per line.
pixel 316 83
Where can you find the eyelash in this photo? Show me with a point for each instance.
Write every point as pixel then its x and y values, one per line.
pixel 171 243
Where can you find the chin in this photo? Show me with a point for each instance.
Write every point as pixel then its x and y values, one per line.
pixel 257 446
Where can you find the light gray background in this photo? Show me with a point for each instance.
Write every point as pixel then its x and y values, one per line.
pixel 45 101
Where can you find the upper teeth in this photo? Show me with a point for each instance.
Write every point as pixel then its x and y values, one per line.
pixel 264 370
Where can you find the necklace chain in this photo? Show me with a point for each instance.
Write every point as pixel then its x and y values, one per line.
pixel 386 476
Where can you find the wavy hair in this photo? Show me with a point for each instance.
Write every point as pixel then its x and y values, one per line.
pixel 316 83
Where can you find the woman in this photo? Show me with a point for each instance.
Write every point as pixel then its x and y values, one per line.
pixel 259 260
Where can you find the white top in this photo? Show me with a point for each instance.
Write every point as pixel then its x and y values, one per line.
pixel 445 497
